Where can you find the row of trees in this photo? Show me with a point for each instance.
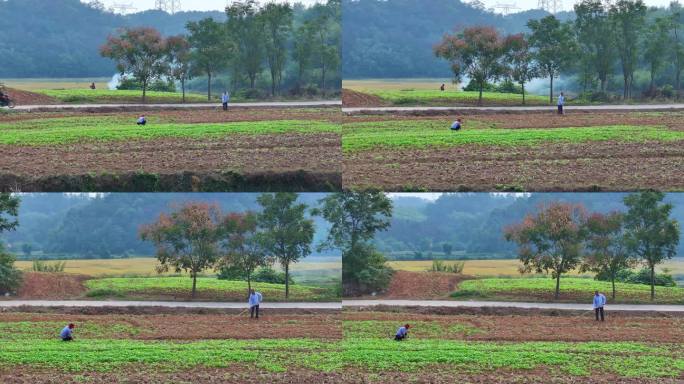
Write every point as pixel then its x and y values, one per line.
pixel 251 39
pixel 603 36
pixel 197 237
pixel 10 277
pixel 562 237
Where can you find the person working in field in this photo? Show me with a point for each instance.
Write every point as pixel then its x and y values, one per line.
pixel 456 125
pixel 254 301
pixel 92 85
pixel 442 88
pixel 402 333
pixel 142 120
pixel 561 102
pixel 599 303
pixel 67 333
pixel 225 98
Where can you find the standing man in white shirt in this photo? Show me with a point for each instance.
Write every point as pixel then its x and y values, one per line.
pixel 225 98
pixel 561 102
pixel 254 301
pixel 599 303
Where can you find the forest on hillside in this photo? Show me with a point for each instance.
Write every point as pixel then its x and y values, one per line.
pixel 472 224
pixel 58 225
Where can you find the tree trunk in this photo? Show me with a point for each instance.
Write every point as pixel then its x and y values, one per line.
pixel 252 80
pixel 479 99
pixel 208 86
pixel 249 284
pixel 677 83
pixel 273 83
pixel 603 84
pixel 144 87
pixel 183 88
pixel 557 286
pixel 323 77
pixel 612 280
pixel 523 90
pixel 551 90
pixel 625 91
pixel 194 284
pixel 287 280
pixel 652 282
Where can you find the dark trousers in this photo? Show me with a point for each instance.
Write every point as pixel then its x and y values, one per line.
pixel 560 109
pixel 254 310
pixel 142 123
pixel 399 338
pixel 68 338
pixel 225 106
pixel 598 311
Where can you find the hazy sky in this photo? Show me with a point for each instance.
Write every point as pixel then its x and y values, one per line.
pixel 565 5
pixel 189 5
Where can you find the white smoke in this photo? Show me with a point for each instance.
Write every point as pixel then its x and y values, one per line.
pixel 114 82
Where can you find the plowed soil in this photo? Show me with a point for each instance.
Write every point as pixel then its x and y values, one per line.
pixel 352 99
pixel 37 285
pixel 287 161
pixel 589 166
pixel 29 98
pixel 424 285
pixel 533 325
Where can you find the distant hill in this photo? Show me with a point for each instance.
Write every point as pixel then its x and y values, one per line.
pixel 61 38
pixel 394 38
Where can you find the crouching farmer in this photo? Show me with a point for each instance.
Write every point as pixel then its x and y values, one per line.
pixel 402 333
pixel 254 301
pixel 67 333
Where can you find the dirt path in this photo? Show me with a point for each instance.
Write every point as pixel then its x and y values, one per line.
pixel 568 108
pixel 111 107
pixel 163 304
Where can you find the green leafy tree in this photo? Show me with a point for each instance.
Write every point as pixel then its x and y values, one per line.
pixel 302 52
pixel 286 233
pixel 10 277
pixel 628 18
pixel 141 52
pixel 186 239
pixel 355 217
pixel 447 248
pixel 277 21
pixel 477 52
pixel 607 251
pixel 210 48
pixel 650 233
pixel 327 43
pixel 677 42
pixel 655 47
pixel 553 45
pixel 522 68
pixel 551 240
pixel 27 249
pixel 242 246
pixel 247 30
pixel 180 60
pixel 596 38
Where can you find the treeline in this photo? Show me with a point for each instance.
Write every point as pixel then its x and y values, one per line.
pixel 561 237
pixel 81 226
pixel 252 41
pixel 470 225
pixel 603 38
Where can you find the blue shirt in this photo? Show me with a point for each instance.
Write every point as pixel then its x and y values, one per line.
pixel 141 120
pixel 66 332
pixel 561 100
pixel 225 98
pixel 599 301
pixel 402 331
pixel 456 126
pixel 254 299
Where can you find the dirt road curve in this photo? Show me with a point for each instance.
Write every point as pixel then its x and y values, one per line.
pixel 569 108
pixel 165 304
pixel 274 104
pixel 506 304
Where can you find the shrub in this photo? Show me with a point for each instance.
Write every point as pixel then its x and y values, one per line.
pixel 642 276
pixel 42 266
pixel 667 91
pixel 440 266
pixel 10 277
pixel 270 275
pixel 158 85
pixel 252 93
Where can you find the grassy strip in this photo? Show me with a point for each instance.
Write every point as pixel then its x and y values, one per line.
pixel 142 287
pixel 30 330
pixel 425 96
pixel 420 329
pixel 106 96
pixel 71 130
pixel 430 133
pixel 572 289
pixel 626 359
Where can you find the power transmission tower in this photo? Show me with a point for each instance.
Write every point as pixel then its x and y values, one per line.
pixel 550 6
pixel 169 6
pixel 123 8
pixel 506 8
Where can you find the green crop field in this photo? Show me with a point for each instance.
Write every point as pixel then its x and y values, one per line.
pixel 66 130
pixel 106 96
pixel 422 97
pixel 430 133
pixel 572 289
pixel 357 352
pixel 207 289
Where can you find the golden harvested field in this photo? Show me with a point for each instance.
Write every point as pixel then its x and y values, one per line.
pixel 502 267
pixel 36 84
pixel 146 266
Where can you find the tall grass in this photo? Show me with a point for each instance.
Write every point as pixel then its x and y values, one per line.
pixel 441 266
pixel 43 266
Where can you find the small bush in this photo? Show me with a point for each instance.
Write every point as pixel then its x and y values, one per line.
pixel 42 266
pixel 642 276
pixel 104 292
pixel 440 266
pixel 158 85
pixel 10 277
pixel 667 91
pixel 252 93
pixel 270 275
